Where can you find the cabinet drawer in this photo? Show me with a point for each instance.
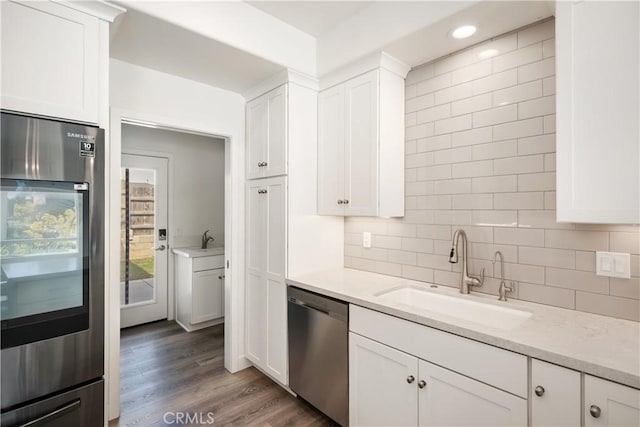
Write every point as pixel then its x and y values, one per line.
pixel 208 262
pixel 494 366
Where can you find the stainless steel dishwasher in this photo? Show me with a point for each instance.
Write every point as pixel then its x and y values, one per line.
pixel 319 352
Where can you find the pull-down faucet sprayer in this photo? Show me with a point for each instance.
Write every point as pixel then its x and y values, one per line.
pixel 466 279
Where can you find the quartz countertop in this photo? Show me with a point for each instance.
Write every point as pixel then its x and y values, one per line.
pixel 196 252
pixel 602 346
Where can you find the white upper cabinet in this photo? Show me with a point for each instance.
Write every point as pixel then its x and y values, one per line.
pixel 361 145
pixel 267 134
pixel 598 98
pixel 609 404
pixel 50 60
pixel 555 395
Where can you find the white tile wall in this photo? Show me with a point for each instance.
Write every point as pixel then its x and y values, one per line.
pixel 480 147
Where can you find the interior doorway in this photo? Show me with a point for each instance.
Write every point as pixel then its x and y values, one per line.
pixel 181 231
pixel 144 187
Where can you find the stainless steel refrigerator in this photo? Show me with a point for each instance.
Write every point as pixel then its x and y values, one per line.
pixel 52 267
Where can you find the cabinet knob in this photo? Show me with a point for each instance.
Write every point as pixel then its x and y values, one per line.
pixel 264 163
pixel 422 383
pixel 539 390
pixel 411 379
pixel 346 201
pixel 340 202
pixel 595 411
pixel 259 164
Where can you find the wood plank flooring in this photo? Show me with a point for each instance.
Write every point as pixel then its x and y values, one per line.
pixel 165 369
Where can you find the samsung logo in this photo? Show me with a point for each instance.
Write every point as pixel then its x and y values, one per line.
pixel 80 136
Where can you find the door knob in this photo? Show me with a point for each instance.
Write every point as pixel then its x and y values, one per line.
pixel 595 411
pixel 422 383
pixel 539 390
pixel 160 248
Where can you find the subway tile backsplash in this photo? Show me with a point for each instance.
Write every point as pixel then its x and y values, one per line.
pixel 480 155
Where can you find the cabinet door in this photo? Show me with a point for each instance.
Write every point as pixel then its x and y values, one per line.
pixel 331 133
pixel 49 60
pixel 382 385
pixel 256 266
pixel 555 395
pixel 598 104
pixel 276 149
pixel 450 399
pixel 610 404
pixel 361 145
pixel 257 135
pixel 207 297
pixel 276 294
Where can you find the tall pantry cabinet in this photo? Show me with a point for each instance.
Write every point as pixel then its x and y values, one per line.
pixel 284 235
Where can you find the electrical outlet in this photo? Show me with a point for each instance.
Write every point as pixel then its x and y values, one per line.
pixel 613 264
pixel 366 239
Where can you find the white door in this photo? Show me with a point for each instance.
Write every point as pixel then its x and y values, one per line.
pixel 361 145
pixel 610 404
pixel 143 249
pixel 555 395
pixel 450 399
pixel 276 150
pixel 382 385
pixel 331 151
pixel 257 134
pixel 276 321
pixel 256 263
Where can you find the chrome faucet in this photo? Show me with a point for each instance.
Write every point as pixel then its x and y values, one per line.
pixel 206 239
pixel 466 280
pixel 502 291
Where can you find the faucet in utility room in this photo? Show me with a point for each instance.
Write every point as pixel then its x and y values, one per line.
pixel 206 239
pixel 466 280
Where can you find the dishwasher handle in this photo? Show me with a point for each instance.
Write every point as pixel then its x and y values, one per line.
pixel 311 306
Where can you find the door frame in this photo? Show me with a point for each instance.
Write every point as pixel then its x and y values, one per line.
pixel 169 158
pixel 234 358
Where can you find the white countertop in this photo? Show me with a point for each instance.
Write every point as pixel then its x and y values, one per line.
pixel 598 345
pixel 196 252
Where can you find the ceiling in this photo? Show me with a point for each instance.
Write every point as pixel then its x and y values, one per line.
pixel 143 40
pixel 311 17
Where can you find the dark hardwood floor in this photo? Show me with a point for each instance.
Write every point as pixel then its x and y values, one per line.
pixel 167 370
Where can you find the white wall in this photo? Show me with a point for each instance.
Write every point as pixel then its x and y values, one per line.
pixel 197 174
pixel 146 95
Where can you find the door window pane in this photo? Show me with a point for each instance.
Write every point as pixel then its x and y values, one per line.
pixel 137 236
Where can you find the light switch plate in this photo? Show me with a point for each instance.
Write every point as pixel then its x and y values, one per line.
pixel 366 239
pixel 613 264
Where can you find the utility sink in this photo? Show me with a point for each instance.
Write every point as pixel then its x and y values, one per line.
pixel 459 307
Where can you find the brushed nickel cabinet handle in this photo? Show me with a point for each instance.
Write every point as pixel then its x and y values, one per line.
pixel 411 379
pixel 539 390
pixel 595 411
pixel 340 202
pixel 422 383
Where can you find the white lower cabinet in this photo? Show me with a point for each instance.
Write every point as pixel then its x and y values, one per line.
pixel 555 395
pixel 450 399
pixel 392 388
pixel 200 291
pixel 610 404
pixel 382 384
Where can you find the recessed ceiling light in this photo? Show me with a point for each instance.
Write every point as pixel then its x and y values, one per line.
pixel 463 32
pixel 488 53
